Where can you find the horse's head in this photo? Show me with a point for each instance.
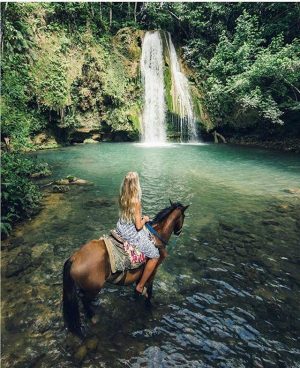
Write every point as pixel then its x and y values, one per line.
pixel 179 218
pixel 169 220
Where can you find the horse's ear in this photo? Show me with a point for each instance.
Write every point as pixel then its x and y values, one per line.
pixel 171 203
pixel 185 208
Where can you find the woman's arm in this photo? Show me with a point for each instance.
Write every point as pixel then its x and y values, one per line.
pixel 139 221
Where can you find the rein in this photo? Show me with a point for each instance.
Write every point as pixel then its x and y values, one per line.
pixel 160 217
pixel 154 232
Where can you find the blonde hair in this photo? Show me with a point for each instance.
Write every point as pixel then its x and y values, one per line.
pixel 130 195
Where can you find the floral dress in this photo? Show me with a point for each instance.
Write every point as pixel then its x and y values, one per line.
pixel 141 239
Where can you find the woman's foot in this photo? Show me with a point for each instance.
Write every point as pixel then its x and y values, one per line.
pixel 141 291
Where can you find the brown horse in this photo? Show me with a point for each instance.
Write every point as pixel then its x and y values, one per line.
pixel 88 268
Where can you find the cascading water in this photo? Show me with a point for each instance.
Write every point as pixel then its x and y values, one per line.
pixel 182 100
pixel 152 70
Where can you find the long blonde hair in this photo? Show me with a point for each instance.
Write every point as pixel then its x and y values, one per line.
pixel 130 195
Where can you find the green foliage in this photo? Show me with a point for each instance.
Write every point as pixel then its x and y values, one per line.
pixel 247 77
pixel 17 33
pixel 120 119
pixel 6 227
pixel 20 197
pixel 41 170
pixel 19 120
pixel 156 16
pixel 52 89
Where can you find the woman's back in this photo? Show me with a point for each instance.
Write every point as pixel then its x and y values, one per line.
pixel 128 231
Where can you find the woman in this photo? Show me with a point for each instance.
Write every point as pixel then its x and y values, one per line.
pixel 131 223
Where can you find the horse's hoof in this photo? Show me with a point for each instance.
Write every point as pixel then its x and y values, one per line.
pixel 142 293
pixel 148 304
pixel 95 320
pixel 83 332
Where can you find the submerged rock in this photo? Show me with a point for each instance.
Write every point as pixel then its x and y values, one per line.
pixel 240 250
pixel 60 188
pixel 292 191
pixel 95 203
pixel 92 344
pixel 270 222
pixel 226 226
pixel 80 353
pixel 15 242
pixel 20 263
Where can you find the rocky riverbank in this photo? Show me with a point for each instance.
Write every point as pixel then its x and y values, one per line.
pixel 286 144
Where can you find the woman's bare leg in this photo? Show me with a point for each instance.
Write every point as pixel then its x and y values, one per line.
pixel 149 268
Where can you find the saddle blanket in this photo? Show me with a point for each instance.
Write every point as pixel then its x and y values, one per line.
pixel 123 256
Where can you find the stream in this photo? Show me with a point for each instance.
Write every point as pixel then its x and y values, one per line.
pixel 227 294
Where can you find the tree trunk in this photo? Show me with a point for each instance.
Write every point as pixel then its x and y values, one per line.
pixel 110 15
pixel 62 115
pixel 92 9
pixel 216 135
pixel 3 10
pixel 135 8
pixel 179 21
pixel 7 143
pixel 128 10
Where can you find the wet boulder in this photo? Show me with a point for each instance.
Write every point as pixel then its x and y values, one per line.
pixel 71 180
pixel 90 140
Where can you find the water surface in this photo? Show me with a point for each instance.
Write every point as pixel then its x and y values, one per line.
pixel 227 295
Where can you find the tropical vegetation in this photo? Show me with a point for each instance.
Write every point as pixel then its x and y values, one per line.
pixel 68 68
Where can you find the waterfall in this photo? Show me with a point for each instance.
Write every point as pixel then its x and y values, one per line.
pixel 182 100
pixel 152 70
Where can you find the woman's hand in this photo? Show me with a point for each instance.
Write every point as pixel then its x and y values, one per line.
pixel 139 219
pixel 146 219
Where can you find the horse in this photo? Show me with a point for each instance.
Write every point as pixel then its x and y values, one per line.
pixel 87 270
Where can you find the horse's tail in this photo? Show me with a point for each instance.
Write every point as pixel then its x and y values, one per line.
pixel 70 302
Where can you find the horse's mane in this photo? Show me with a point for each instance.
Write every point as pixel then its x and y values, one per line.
pixel 165 212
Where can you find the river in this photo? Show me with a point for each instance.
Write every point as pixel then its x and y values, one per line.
pixel 227 294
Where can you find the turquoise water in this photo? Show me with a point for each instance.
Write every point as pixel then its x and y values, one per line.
pixel 227 295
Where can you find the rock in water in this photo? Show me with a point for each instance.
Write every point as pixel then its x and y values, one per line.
pixel 92 344
pixel 60 188
pixel 80 353
pixel 20 263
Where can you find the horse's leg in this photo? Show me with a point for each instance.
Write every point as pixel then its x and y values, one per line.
pixel 90 270
pixel 90 304
pixel 71 313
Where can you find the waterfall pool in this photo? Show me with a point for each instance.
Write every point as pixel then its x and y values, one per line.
pixel 226 296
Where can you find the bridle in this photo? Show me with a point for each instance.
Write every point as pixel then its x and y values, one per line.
pixel 149 226
pixel 178 232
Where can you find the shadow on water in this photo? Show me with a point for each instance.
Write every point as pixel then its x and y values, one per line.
pixel 227 295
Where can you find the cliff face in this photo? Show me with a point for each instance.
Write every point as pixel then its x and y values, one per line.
pixel 90 86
